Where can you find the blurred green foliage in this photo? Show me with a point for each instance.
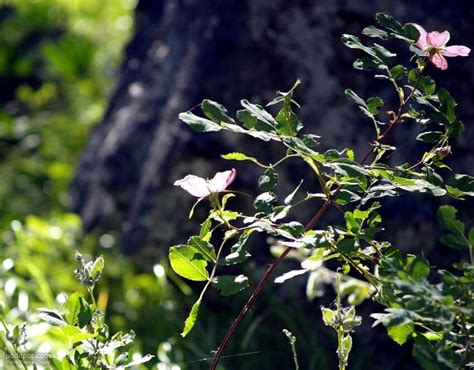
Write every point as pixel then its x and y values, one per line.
pixel 57 63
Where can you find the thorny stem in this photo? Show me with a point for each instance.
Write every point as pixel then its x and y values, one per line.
pixel 327 204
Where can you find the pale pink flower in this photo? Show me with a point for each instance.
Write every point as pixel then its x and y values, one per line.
pixel 434 45
pixel 200 187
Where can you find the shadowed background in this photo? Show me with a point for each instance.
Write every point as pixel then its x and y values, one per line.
pixel 165 57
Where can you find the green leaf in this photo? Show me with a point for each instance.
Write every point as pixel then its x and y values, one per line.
pixel 247 119
pixel 97 268
pixel 74 304
pixel 365 64
pixel 311 140
pixel 447 219
pixel 191 319
pixel 205 232
pixel 256 133
pixel 234 156
pixel 345 349
pixel 428 85
pixel 400 333
pixel 346 245
pixel 205 248
pixel 295 228
pixel 461 185
pixel 419 268
pixel 448 105
pixel 259 113
pixel 350 94
pixel 289 199
pixel 288 122
pixel 410 32
pixel 268 181
pixel 199 124
pixel 430 136
pixel 373 105
pixel 428 356
pixel 329 316
pixel 375 32
pixel 215 112
pixel 454 241
pixel 52 317
pixel 471 236
pixel 238 252
pixel 184 261
pixel 389 23
pixel 228 285
pixel 264 202
pixel 398 72
pixel 70 334
pixel 346 196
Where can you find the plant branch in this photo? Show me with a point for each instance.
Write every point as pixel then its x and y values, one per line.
pixel 327 204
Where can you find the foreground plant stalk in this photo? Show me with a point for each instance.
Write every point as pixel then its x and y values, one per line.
pixel 318 215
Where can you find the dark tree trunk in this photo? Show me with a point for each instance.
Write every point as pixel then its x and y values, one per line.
pixel 183 51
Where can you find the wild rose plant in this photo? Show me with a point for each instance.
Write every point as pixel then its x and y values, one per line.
pixel 433 308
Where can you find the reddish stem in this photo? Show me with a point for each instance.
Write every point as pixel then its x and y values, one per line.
pixel 257 291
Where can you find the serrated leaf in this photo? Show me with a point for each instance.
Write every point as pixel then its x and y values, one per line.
pixel 430 136
pixel 186 262
pixel 264 202
pixel 199 124
pixel 461 185
pixel 411 32
pixel 400 333
pixel 398 72
pixel 373 31
pixel 259 113
pixel 215 112
pixel 329 316
pixel 373 105
pixel 205 231
pixel 235 156
pixel 454 241
pixel 74 304
pixel 238 252
pixel 448 105
pixel 52 317
pixel 350 94
pixel 228 285
pixel 269 180
pixel 295 228
pixel 97 268
pixel 389 23
pixel 419 268
pixel 365 64
pixel 70 334
pixel 447 219
pixel 205 248
pixel 288 122
pixel 191 319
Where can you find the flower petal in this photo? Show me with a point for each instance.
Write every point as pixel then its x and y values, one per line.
pixel 456 51
pixel 421 43
pixel 194 185
pixel 437 39
pixel 221 180
pixel 439 61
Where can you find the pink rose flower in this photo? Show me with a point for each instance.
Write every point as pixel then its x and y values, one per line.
pixel 434 45
pixel 200 187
